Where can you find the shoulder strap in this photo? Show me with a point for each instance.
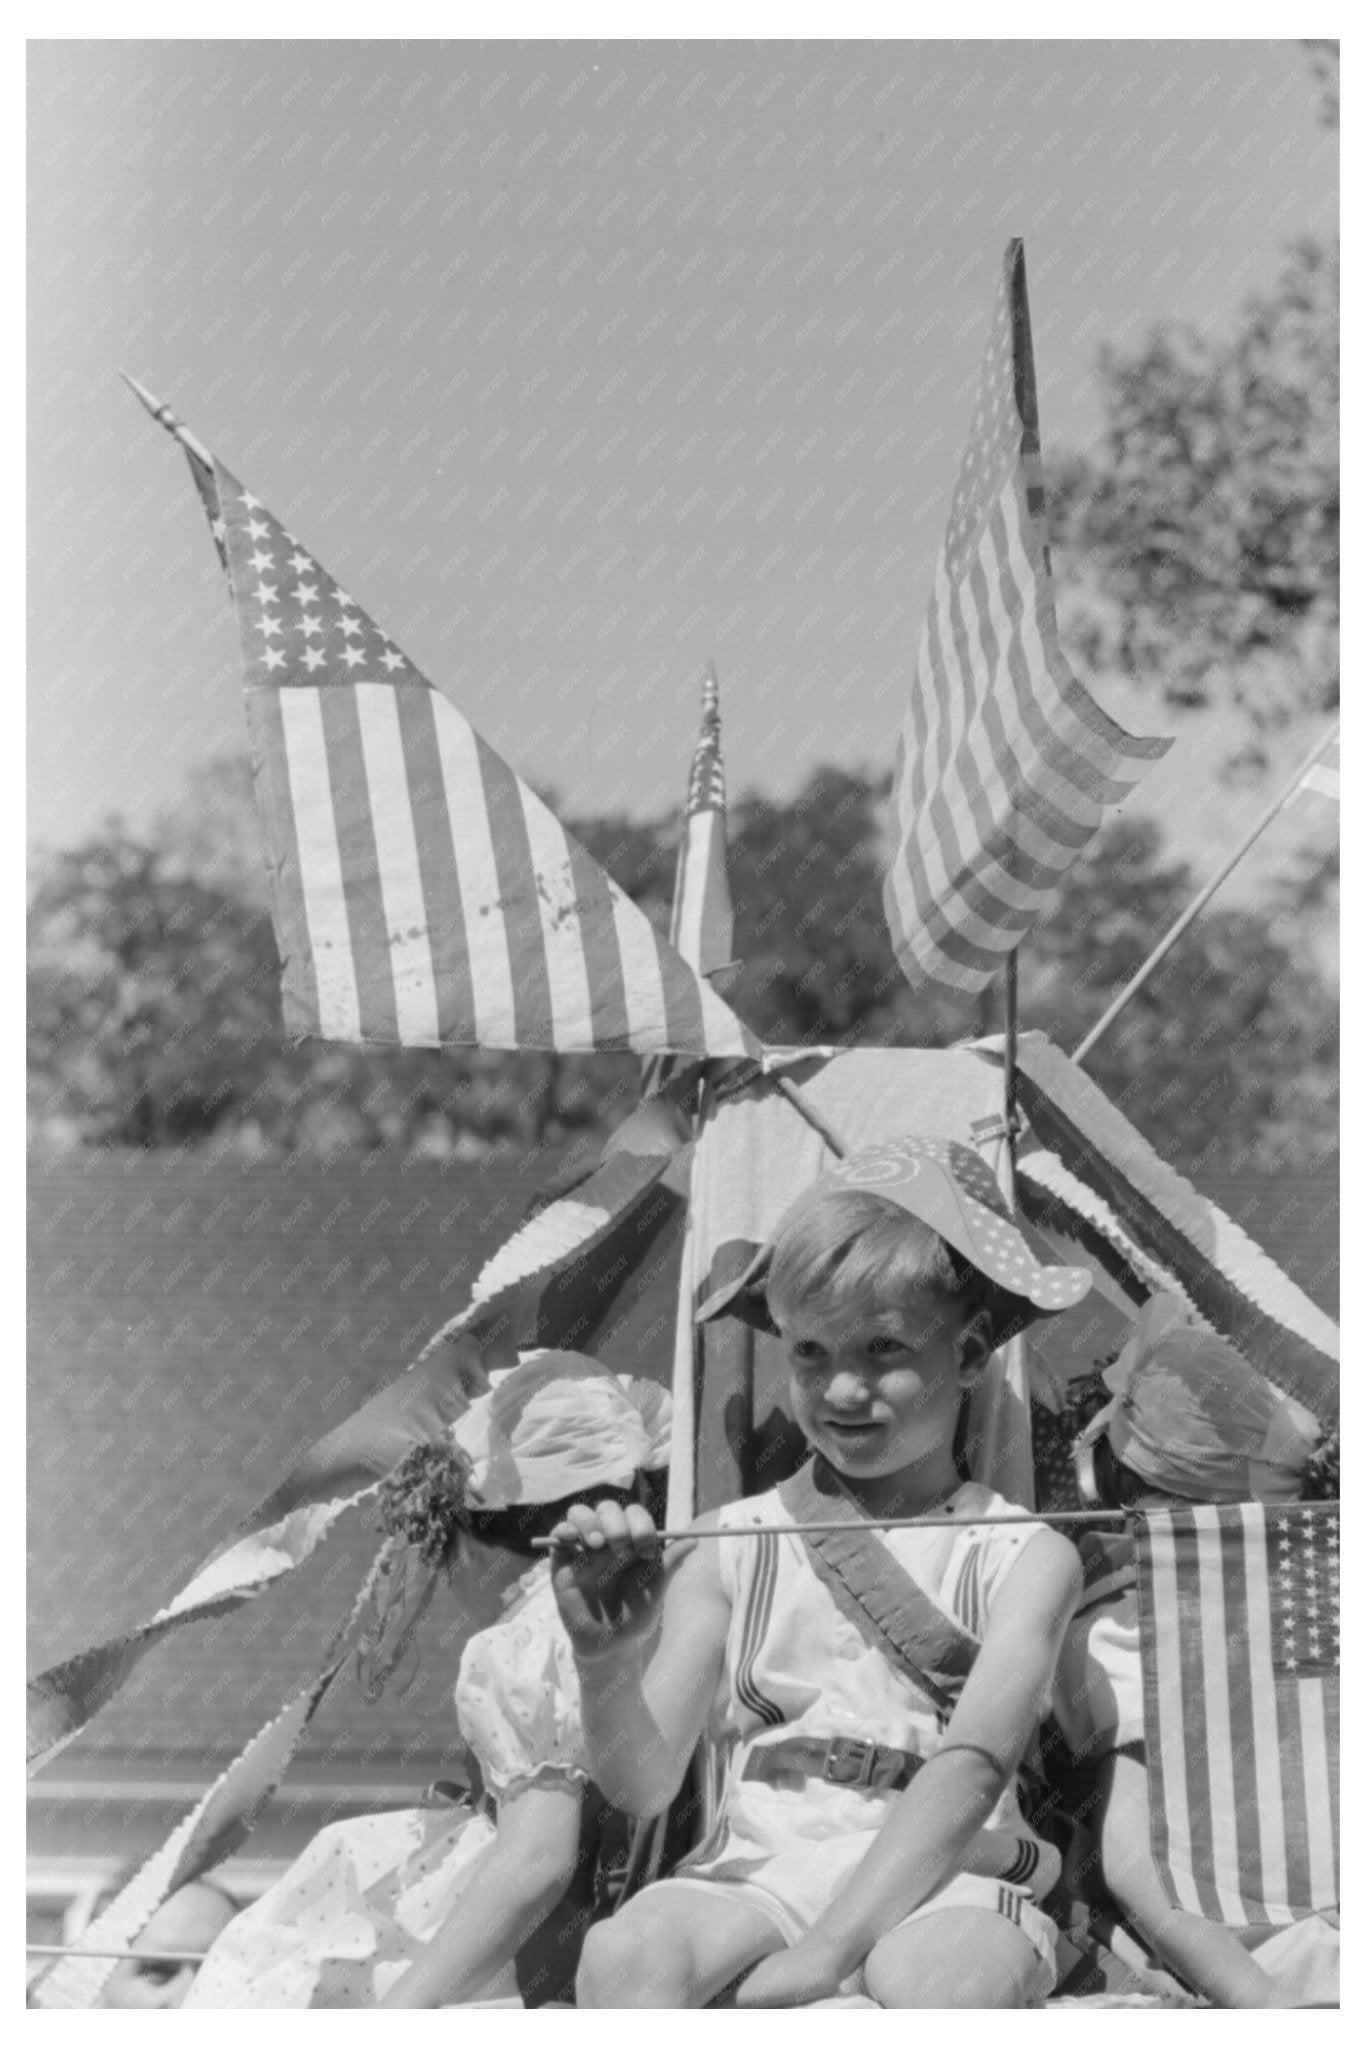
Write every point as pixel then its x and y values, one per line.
pixel 873 1592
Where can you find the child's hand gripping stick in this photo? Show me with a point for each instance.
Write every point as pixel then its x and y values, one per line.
pixel 608 1570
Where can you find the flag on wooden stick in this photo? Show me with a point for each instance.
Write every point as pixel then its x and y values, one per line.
pixel 1240 1622
pixel 422 894
pixel 1005 763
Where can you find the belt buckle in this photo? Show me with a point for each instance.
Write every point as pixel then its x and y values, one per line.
pixel 849 1760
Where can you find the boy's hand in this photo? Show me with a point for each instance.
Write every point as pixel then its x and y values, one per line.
pixel 799 1975
pixel 607 1586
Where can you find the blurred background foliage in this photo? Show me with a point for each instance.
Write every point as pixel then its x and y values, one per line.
pixel 154 1001
pixel 1197 554
pixel 1199 549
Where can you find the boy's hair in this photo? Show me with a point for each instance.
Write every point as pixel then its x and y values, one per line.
pixel 838 1249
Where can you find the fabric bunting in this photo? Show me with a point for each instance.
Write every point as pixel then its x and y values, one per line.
pixel 353 1458
pixel 1005 763
pixel 422 894
pixel 1200 1252
pixel 1072 1214
pixel 210 1832
pixel 1239 1613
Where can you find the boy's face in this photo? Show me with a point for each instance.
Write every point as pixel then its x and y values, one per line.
pixel 877 1392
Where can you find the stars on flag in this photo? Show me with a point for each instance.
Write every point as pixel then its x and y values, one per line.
pixel 1306 1596
pixel 422 893
pixel 304 627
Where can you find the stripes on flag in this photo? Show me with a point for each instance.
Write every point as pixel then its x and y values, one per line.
pixel 1005 763
pixel 1239 1620
pixel 422 893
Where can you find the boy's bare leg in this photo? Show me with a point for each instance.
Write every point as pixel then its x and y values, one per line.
pixel 964 1956
pixel 673 1946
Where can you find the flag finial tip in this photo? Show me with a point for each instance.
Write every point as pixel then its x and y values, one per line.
pixel 140 391
pixel 164 417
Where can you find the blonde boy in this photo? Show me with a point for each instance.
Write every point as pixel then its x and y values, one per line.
pixel 871 1693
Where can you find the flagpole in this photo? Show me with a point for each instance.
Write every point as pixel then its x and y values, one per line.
pixel 1193 909
pixel 1009 1068
pixel 1057 1518
pixel 164 417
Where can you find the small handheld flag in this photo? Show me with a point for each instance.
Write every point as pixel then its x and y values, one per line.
pixel 1005 763
pixel 422 894
pixel 1239 1623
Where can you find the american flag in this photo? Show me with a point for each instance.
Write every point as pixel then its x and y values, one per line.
pixel 422 893
pixel 1005 763
pixel 703 922
pixel 1240 1621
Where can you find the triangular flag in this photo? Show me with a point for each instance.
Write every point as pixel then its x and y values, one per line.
pixel 422 894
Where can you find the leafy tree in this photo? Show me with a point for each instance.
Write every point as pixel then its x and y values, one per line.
pixel 806 879
pixel 1201 553
pixel 1226 1058
pixel 1199 550
pixel 155 1003
pixel 154 1019
pixel 148 997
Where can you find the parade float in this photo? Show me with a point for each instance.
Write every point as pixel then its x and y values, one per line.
pixel 423 895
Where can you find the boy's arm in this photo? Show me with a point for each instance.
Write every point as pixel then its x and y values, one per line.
pixel 925 1834
pixel 517 1880
pixel 649 1637
pixel 1210 1957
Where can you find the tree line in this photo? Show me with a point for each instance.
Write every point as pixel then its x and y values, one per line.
pixel 154 1015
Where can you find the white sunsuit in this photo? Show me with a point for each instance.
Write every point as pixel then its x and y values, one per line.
pixel 795 1667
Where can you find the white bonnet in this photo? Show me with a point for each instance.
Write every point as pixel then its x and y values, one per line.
pixel 556 1424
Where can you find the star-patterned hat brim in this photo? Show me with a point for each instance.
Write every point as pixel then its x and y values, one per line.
pixel 948 1187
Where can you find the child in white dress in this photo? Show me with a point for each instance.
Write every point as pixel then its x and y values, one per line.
pixel 431 1905
pixel 872 1693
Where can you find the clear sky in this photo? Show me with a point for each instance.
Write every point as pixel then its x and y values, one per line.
pixel 580 363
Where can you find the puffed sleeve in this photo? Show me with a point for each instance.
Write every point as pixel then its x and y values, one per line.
pixel 1098 1687
pixel 517 1697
